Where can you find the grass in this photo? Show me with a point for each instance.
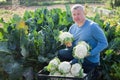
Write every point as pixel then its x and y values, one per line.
pixel 6 14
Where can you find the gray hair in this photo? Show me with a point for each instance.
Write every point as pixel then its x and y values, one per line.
pixel 76 6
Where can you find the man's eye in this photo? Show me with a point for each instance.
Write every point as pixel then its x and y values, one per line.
pixel 78 14
pixel 73 14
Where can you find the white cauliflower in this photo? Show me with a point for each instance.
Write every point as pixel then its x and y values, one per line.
pixel 75 69
pixel 81 50
pixel 53 64
pixel 65 37
pixel 84 43
pixel 64 67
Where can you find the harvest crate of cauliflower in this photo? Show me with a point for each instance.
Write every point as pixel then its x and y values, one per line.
pixel 65 70
pixel 44 75
pixel 57 70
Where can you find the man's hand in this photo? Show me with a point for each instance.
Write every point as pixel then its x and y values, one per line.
pixel 88 54
pixel 68 44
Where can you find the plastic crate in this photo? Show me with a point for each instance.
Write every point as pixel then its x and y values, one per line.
pixel 44 75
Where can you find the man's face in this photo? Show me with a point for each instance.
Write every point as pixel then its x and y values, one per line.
pixel 78 15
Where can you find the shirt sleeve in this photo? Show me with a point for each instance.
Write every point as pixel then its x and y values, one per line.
pixel 100 37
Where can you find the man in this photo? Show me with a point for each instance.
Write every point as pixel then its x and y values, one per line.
pixel 84 30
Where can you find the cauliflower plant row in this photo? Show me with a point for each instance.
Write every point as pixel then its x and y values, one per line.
pixel 57 68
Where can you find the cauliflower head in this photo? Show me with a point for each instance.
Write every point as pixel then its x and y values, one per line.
pixel 65 37
pixel 53 64
pixel 64 67
pixel 75 69
pixel 81 50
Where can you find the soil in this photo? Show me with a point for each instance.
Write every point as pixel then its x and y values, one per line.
pixel 6 12
pixel 9 11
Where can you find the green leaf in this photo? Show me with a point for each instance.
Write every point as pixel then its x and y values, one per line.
pixel 24 52
pixel 16 18
pixel 42 59
pixel 4 47
pixel 1 36
pixel 27 15
pixel 109 52
pixel 14 70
